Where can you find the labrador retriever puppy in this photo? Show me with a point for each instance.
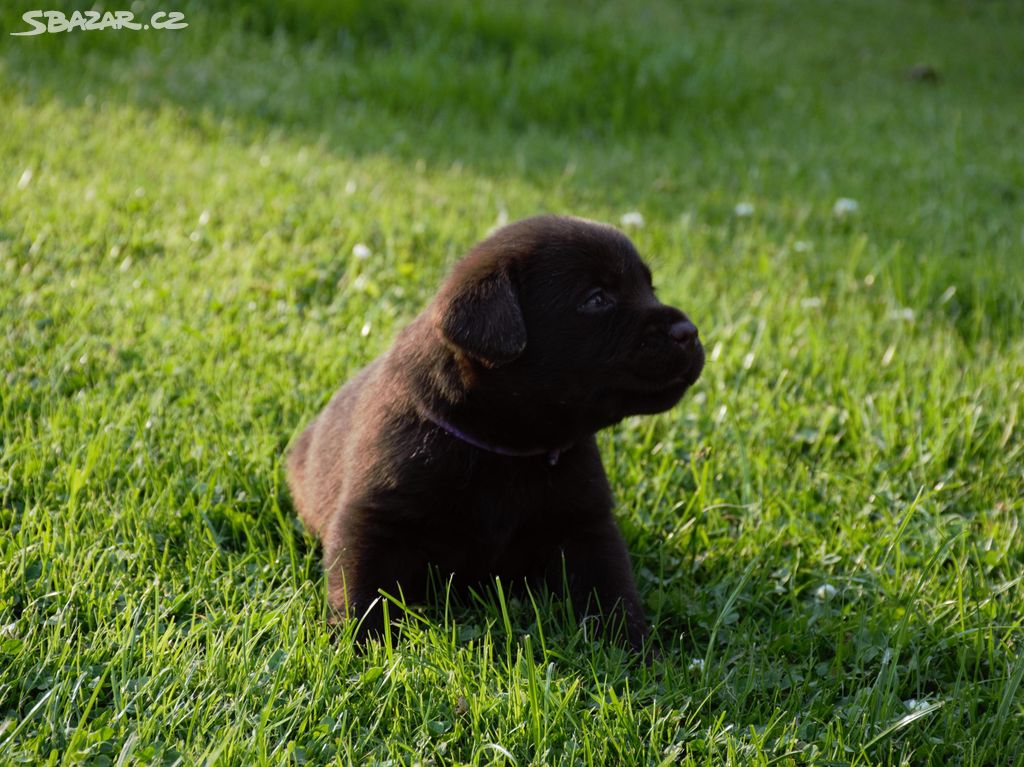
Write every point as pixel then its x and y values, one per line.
pixel 468 447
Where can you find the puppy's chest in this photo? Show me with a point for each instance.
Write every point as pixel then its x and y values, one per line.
pixel 485 519
pixel 477 513
pixel 494 506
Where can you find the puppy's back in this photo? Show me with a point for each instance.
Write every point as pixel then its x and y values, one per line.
pixel 316 463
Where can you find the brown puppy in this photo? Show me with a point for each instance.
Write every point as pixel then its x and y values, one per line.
pixel 468 447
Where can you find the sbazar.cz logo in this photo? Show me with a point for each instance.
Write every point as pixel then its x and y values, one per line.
pixel 42 22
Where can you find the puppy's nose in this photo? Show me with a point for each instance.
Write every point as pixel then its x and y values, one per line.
pixel 683 332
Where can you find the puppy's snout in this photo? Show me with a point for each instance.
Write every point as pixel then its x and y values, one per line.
pixel 683 332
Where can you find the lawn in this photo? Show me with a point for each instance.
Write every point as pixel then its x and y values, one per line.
pixel 203 232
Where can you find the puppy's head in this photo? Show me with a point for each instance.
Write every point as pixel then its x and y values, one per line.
pixel 560 314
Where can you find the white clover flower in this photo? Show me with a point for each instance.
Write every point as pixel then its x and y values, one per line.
pixel 845 207
pixel 913 705
pixel 744 209
pixel 890 353
pixel 499 222
pixel 359 250
pixel 633 218
pixel 825 592
pixel 696 665
pixel 904 314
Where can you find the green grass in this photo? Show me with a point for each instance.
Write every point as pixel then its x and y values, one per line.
pixel 827 531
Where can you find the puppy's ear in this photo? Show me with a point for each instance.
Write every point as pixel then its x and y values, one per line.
pixel 481 316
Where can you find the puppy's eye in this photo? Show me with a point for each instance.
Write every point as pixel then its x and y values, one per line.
pixel 596 301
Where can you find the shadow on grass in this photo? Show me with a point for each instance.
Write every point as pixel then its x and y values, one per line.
pixel 671 106
pixel 472 68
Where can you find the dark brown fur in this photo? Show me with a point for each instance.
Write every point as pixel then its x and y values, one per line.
pixel 517 354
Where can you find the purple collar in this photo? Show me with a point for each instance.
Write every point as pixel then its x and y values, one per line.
pixel 552 455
